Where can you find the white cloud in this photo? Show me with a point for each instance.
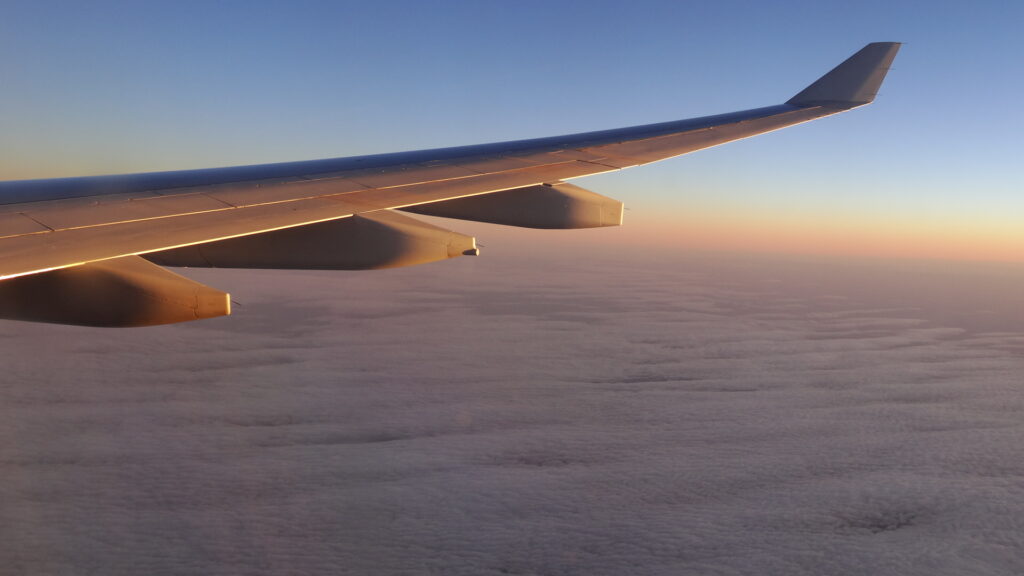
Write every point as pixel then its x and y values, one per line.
pixel 550 415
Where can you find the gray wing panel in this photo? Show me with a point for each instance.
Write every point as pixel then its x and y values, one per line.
pixel 51 224
pixel 523 151
pixel 136 226
pixel 33 253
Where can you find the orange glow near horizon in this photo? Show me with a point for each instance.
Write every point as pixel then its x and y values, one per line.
pixel 861 236
pixel 706 225
pixel 867 236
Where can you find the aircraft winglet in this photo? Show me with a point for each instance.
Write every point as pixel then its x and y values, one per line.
pixel 854 82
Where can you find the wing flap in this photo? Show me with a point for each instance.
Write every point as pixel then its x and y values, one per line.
pixel 255 193
pixel 15 224
pixel 59 217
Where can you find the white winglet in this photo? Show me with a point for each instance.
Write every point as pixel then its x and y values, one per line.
pixel 854 82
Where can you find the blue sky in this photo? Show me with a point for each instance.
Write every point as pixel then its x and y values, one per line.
pixel 120 87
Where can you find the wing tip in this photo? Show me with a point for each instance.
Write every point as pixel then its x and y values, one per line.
pixel 852 83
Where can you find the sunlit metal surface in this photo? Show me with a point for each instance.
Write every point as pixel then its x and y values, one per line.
pixel 48 225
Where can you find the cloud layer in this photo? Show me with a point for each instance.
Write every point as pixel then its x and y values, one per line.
pixel 547 415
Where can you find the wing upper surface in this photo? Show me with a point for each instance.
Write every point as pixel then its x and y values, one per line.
pixel 53 224
pixel 140 218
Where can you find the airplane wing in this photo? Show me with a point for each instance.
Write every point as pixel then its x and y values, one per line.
pixel 88 250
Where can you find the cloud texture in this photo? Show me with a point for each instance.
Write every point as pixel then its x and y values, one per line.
pixel 615 414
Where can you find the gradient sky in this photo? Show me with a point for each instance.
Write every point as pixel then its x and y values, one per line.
pixel 931 170
pixel 587 402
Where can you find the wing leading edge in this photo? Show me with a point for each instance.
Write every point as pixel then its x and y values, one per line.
pixel 50 225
